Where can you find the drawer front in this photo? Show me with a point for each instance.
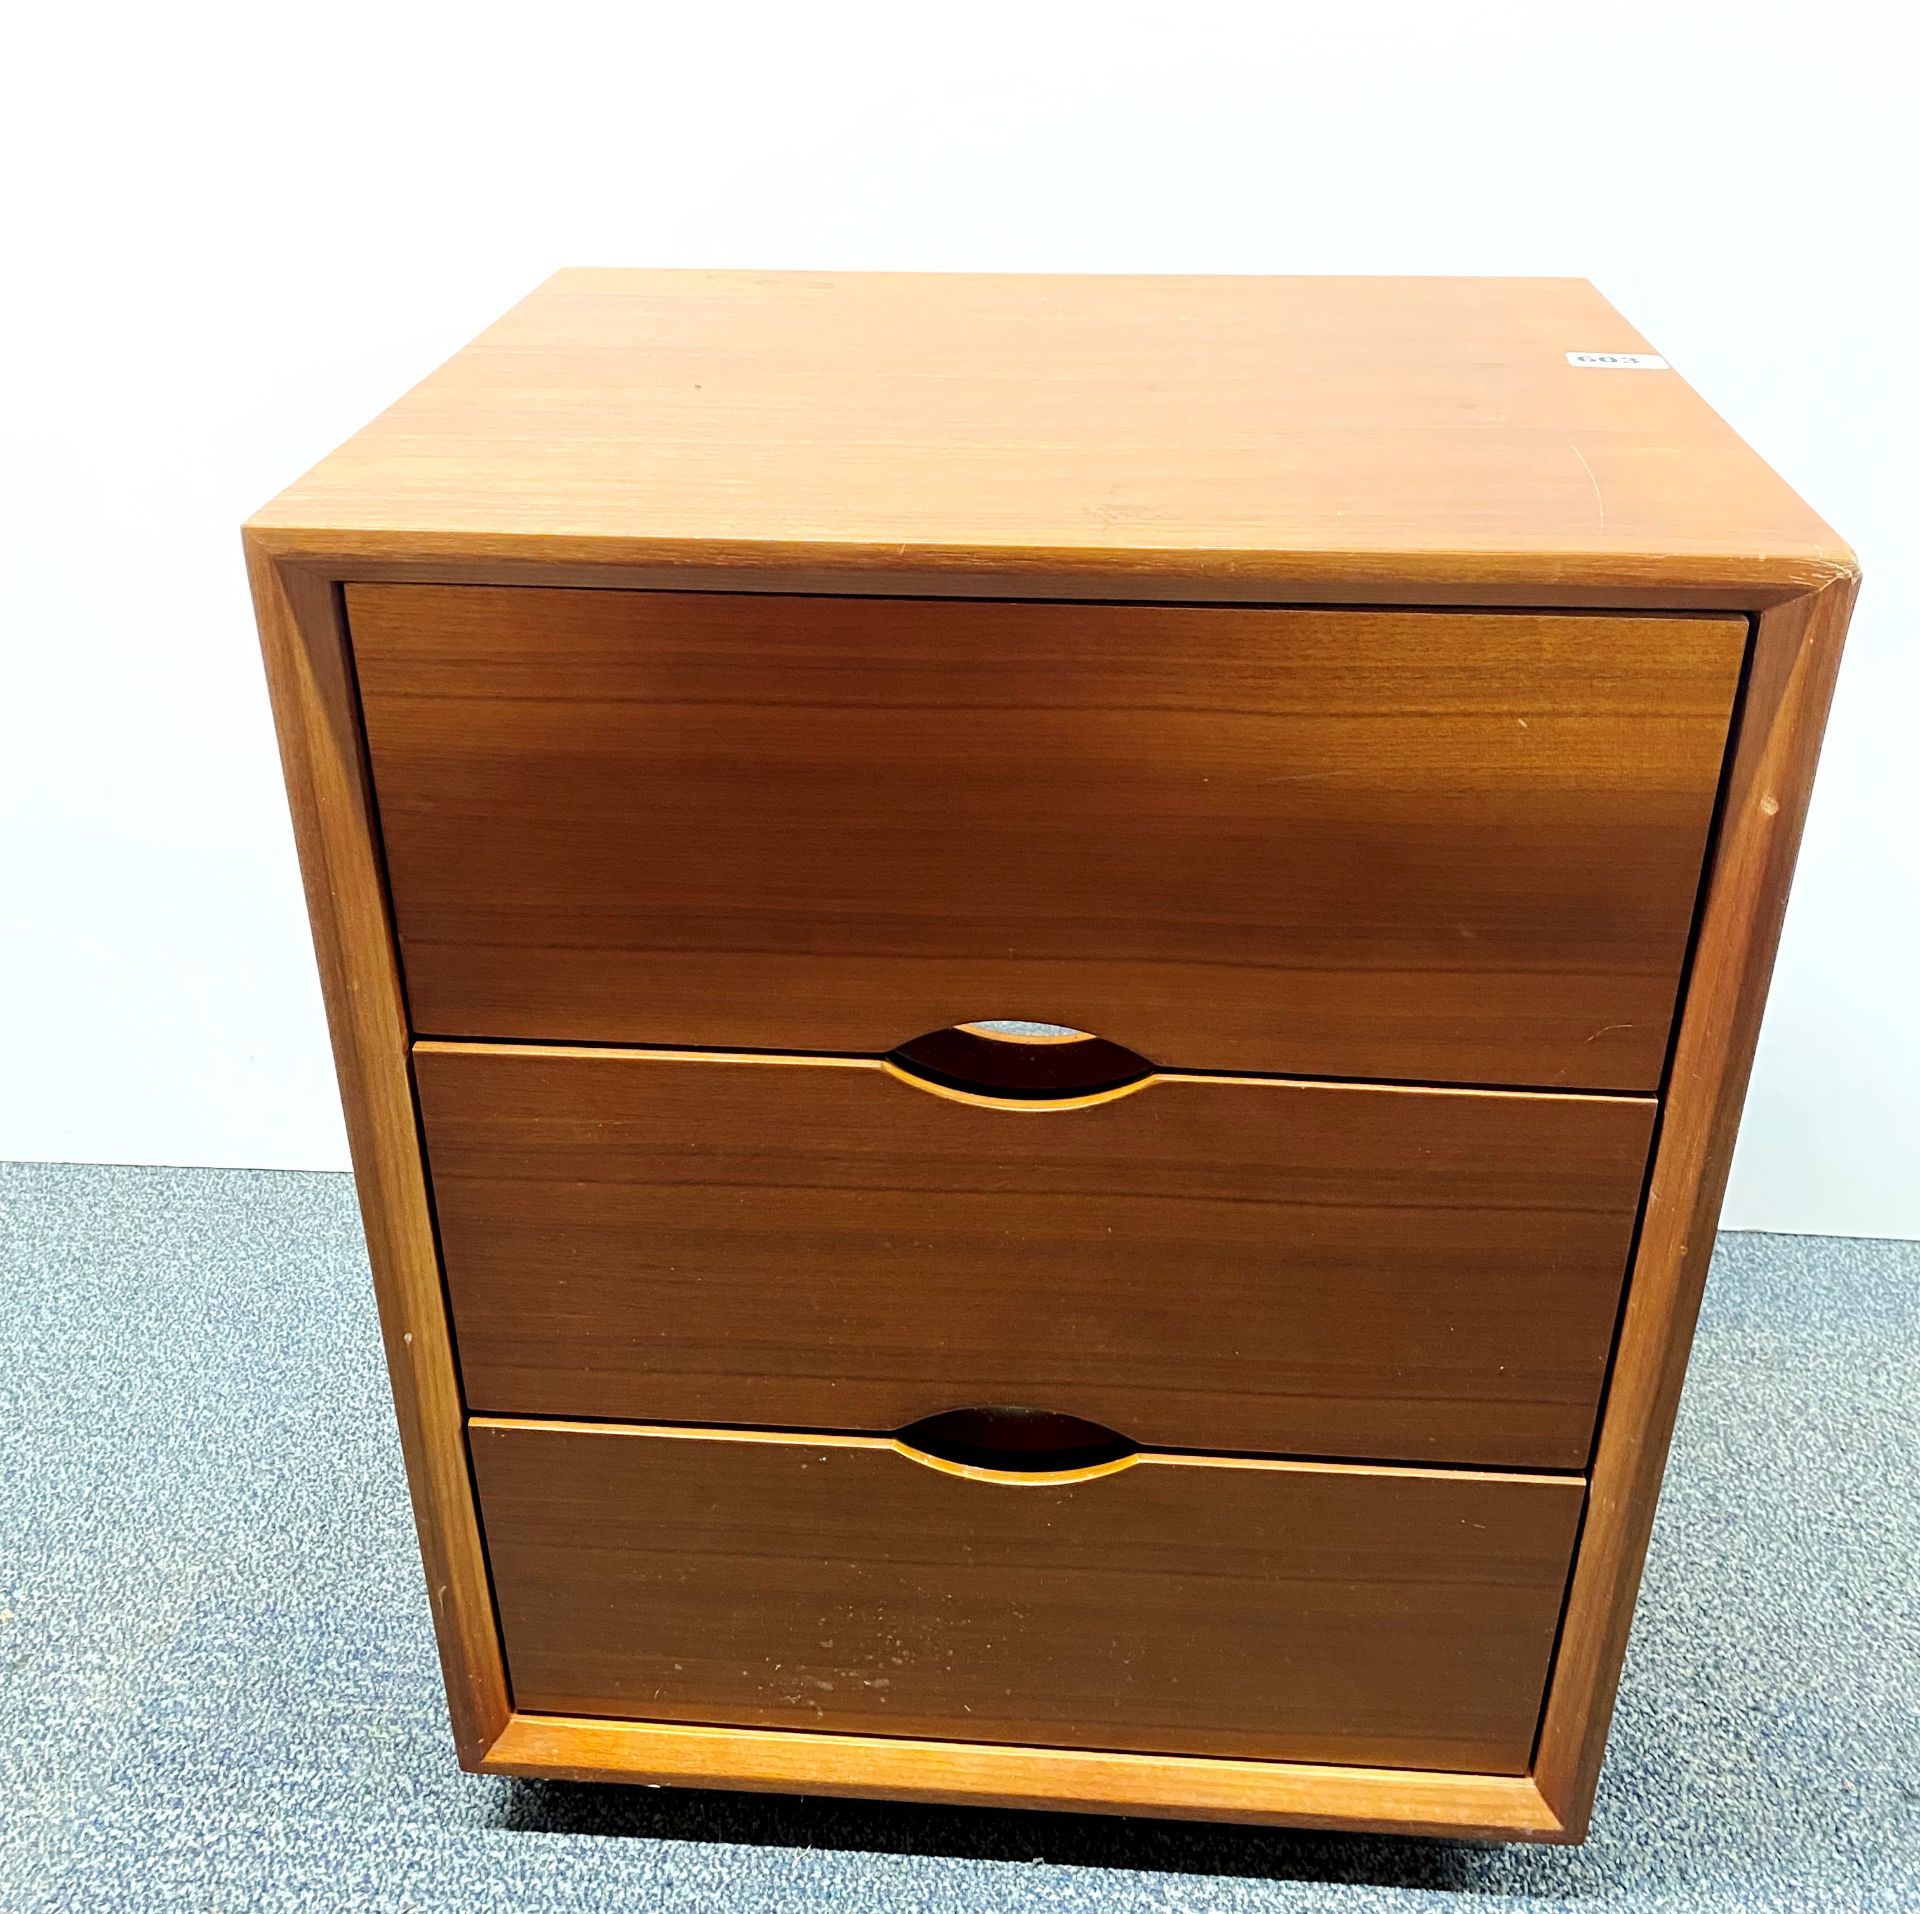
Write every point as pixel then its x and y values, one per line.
pixel 1435 846
pixel 1176 1605
pixel 1212 1263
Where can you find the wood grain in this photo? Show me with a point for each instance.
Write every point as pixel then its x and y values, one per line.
pixel 1076 1780
pixel 303 643
pixel 1797 657
pixel 1206 1263
pixel 1366 439
pixel 1271 1610
pixel 1417 846
pixel 1226 442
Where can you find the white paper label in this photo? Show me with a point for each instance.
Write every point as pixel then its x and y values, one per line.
pixel 1620 361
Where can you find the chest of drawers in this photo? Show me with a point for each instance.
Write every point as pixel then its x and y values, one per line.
pixel 1042 987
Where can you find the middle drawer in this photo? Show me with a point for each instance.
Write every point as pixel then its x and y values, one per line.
pixel 1224 1263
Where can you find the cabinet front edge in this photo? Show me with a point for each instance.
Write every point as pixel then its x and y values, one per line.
pixel 1379 1800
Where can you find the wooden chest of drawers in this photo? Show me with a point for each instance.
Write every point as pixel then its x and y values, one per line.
pixel 1042 988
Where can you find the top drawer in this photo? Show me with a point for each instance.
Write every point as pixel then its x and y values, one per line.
pixel 1424 845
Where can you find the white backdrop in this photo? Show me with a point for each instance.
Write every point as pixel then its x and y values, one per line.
pixel 237 232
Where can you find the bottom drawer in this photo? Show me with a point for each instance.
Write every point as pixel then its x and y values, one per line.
pixel 1158 1603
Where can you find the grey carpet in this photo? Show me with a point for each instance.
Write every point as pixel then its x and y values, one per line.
pixel 217 1687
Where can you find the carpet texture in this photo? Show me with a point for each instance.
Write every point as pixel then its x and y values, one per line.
pixel 218 1688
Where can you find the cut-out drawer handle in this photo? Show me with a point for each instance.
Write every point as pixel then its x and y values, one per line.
pixel 1020 1063
pixel 1013 1445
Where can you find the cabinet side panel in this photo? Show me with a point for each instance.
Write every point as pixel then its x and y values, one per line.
pixel 1777 743
pixel 303 641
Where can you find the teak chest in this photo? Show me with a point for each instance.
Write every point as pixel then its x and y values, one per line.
pixel 1042 987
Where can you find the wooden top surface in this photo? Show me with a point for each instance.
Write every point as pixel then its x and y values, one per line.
pixel 1247 433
